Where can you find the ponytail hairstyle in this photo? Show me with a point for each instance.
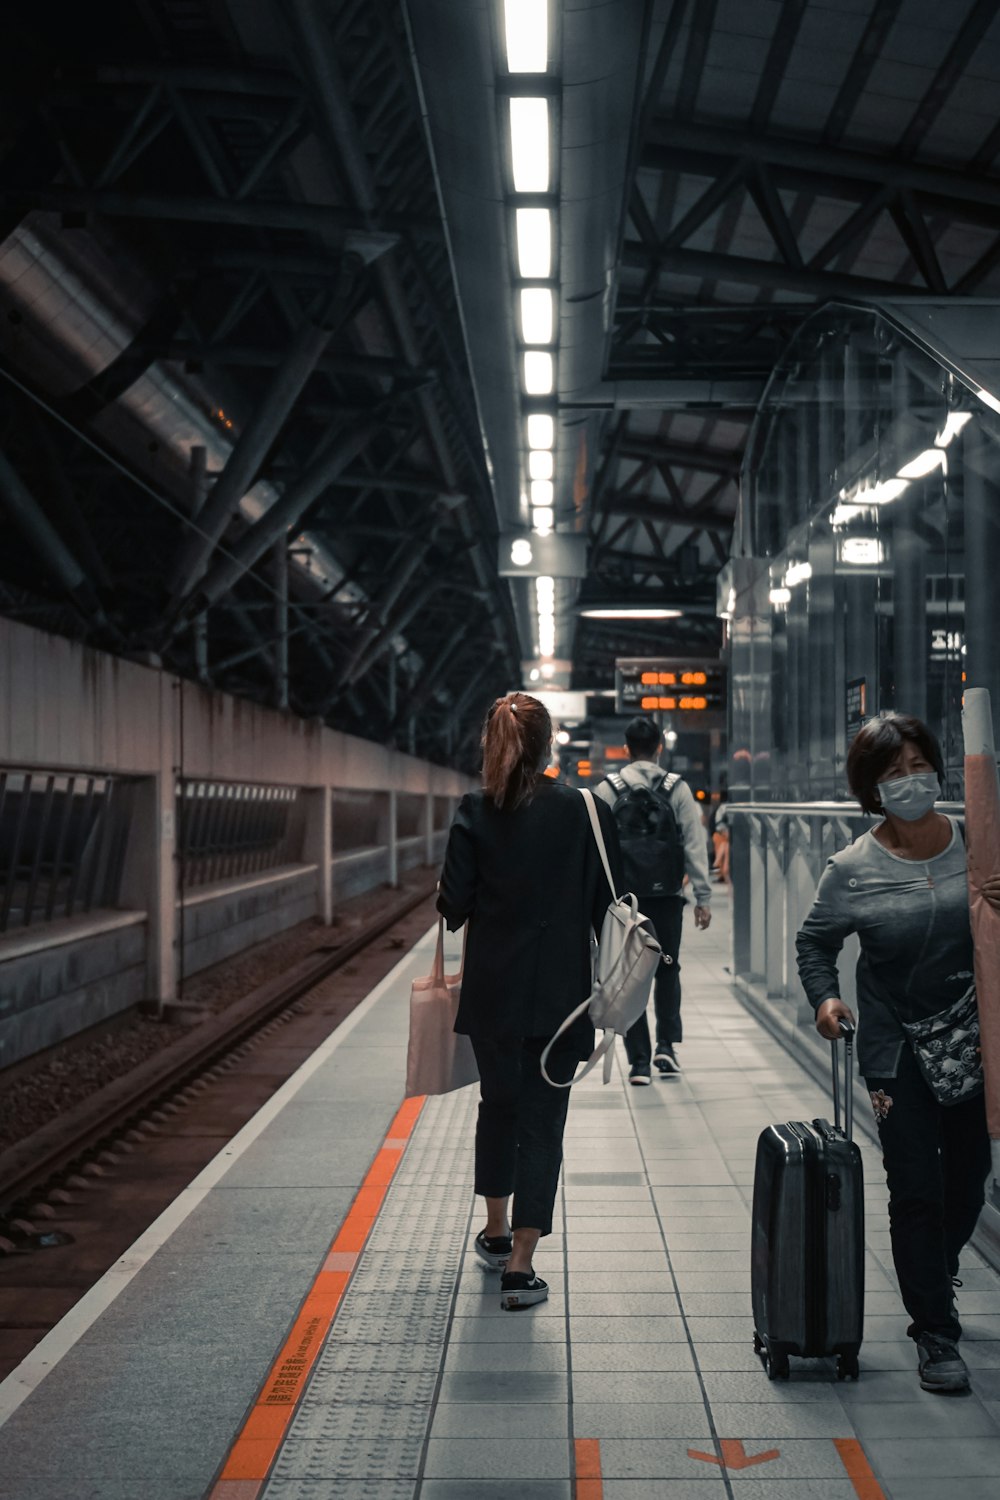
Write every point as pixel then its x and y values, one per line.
pixel 516 738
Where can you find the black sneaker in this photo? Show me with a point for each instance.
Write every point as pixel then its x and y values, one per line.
pixel 665 1058
pixel 639 1074
pixel 494 1251
pixel 521 1289
pixel 939 1364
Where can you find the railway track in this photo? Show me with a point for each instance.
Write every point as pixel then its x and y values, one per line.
pixel 78 1192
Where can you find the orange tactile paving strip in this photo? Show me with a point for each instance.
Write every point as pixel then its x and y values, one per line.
pixel 256 1445
pixel 589 1484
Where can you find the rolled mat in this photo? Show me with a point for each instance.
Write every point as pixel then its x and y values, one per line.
pixel 982 839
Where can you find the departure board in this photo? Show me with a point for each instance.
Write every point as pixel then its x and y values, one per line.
pixel 670 684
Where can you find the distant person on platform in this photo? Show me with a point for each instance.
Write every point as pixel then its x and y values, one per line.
pixel 663 839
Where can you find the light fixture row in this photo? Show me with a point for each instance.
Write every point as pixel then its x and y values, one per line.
pixel 531 121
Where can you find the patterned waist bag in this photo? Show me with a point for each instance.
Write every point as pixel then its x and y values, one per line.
pixel 947 1050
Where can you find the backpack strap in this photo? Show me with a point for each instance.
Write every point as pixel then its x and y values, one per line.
pixel 603 1049
pixel 595 824
pixel 669 782
pixel 617 783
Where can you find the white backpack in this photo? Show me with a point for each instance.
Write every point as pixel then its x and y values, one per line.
pixel 627 955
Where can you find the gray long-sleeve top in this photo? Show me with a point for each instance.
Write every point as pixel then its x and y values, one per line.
pixel 687 813
pixel 912 920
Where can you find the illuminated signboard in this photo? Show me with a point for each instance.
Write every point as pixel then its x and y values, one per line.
pixel 671 685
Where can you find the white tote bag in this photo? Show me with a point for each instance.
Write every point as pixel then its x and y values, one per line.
pixel 627 955
pixel 437 1060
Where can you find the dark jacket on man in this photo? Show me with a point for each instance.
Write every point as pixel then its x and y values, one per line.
pixel 530 882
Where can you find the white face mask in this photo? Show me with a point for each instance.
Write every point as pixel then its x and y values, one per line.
pixel 909 797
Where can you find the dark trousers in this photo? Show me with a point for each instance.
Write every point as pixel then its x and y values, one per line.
pixel 667 916
pixel 519 1131
pixel 937 1159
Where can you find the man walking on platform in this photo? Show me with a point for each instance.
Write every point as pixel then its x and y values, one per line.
pixel 662 839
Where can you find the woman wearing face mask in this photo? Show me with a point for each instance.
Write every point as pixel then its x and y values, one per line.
pixel 902 887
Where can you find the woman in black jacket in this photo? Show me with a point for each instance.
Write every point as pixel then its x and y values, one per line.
pixel 523 869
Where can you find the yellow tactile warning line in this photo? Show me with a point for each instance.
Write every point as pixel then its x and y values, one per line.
pixel 256 1445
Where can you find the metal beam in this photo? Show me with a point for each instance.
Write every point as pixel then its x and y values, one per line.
pixel 249 356
pixel 28 516
pixel 684 456
pixel 246 458
pixel 308 218
pixel 676 146
pixel 770 274
pixel 313 45
pixel 281 518
pixel 666 515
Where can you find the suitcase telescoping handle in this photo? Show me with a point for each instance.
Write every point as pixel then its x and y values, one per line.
pixel 847 1032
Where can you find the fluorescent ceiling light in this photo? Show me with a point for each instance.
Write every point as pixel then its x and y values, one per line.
pixel 954 423
pixel 988 400
pixel 539 373
pixel 631 612
pixel 536 315
pixel 534 243
pixel 529 144
pixel 526 27
pixel 780 596
pixel 924 463
pixel 540 465
pixel 545 584
pixel 541 430
pixel 798 573
pixel 520 552
pixel 542 520
pixel 542 491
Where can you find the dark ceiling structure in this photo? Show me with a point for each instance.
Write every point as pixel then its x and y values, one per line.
pixel 248 329
pixel 786 153
pixel 238 429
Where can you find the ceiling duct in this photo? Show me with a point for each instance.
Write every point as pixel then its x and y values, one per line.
pixel 78 302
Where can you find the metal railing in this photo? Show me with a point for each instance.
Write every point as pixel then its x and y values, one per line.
pixel 228 830
pixel 62 844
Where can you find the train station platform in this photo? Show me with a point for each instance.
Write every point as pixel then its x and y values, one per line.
pixel 308 1320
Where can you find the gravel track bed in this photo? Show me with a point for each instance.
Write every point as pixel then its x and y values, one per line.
pixel 34 1093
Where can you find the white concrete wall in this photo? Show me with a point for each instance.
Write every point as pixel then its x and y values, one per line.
pixel 66 707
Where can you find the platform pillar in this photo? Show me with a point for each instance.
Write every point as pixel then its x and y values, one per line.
pixel 392 837
pixel 318 847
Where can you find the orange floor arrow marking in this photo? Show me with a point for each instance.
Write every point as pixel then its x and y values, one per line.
pixel 859 1470
pixel 734 1456
pixel 589 1484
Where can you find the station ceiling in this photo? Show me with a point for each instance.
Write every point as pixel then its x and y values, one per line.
pixel 238 225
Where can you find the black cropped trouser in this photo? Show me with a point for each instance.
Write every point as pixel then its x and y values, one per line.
pixel 937 1160
pixel 519 1132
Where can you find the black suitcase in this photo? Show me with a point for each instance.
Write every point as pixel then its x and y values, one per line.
pixel 808 1251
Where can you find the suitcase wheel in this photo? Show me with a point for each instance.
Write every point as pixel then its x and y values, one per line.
pixel 848 1367
pixel 776 1365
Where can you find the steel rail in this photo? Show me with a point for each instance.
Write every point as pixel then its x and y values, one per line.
pixel 28 1168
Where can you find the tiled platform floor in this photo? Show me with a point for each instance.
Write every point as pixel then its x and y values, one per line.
pixel 426 1389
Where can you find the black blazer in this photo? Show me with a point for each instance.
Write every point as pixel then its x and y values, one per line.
pixel 530 882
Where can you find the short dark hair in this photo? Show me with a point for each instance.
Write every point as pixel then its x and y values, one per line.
pixel 642 736
pixel 875 747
